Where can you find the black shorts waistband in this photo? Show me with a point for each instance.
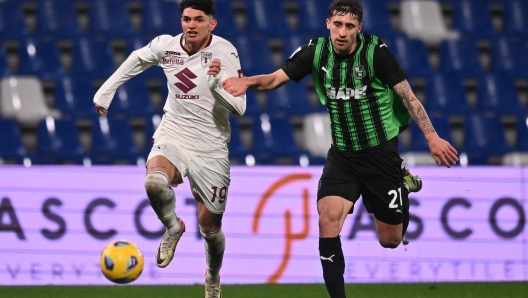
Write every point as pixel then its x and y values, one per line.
pixel 377 150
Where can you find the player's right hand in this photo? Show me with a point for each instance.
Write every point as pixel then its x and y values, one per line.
pixel 235 86
pixel 100 110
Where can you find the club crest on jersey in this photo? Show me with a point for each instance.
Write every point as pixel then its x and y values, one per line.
pixel 206 58
pixel 359 72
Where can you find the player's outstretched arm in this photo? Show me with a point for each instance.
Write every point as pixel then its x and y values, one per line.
pixel 441 150
pixel 238 86
pixel 131 67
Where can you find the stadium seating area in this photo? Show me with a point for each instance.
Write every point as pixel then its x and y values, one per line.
pixel 467 61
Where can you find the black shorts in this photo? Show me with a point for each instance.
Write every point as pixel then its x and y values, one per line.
pixel 375 175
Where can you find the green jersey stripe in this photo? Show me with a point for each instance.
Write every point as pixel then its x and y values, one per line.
pixel 347 111
pixel 362 109
pixel 376 132
pixel 317 72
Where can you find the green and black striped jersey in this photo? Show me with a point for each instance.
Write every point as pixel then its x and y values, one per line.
pixel 356 89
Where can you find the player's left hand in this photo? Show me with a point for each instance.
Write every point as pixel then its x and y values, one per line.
pixel 443 152
pixel 214 67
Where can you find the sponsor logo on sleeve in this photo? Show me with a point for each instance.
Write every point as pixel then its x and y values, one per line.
pixel 295 52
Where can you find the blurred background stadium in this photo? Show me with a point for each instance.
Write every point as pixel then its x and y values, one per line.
pixel 467 61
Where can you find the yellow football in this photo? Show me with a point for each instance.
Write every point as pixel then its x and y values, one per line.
pixel 121 262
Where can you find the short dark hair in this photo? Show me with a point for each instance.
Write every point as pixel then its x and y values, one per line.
pixel 343 7
pixel 207 6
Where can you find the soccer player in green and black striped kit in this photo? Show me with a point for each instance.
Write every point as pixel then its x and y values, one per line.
pixel 369 100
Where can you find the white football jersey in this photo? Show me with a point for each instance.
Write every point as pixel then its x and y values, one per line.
pixel 193 117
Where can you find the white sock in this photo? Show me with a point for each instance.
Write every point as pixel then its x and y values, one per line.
pixel 214 250
pixel 163 200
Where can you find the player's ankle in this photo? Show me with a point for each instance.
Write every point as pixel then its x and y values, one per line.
pixel 176 227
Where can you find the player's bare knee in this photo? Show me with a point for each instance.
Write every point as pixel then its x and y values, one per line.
pixel 390 242
pixel 330 217
pixel 329 226
pixel 156 185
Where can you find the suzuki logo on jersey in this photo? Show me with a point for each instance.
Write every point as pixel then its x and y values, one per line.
pixel 346 93
pixel 185 83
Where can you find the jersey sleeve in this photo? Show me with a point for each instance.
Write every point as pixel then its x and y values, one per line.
pixel 137 62
pixel 231 64
pixel 151 53
pixel 299 64
pixel 230 68
pixel 386 66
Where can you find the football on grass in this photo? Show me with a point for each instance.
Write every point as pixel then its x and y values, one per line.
pixel 121 262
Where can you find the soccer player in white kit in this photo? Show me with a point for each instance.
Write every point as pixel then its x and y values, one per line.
pixel 193 137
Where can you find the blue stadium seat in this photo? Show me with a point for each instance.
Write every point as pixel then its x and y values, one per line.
pixel 237 150
pixel 312 16
pixel 522 132
pixel 226 26
pixel 4 67
pixel 11 148
pixel 255 55
pixel 376 18
pixel 473 19
pixel 159 17
pixel 497 94
pixel 151 124
pixel 132 99
pixel 290 99
pixel 57 18
pixel 266 18
pixel 12 20
pixel 74 97
pixel 39 57
pixel 460 56
pixel 59 141
pixel 446 95
pixel 411 55
pixel 509 55
pixel 273 140
pixel 253 107
pixel 112 142
pixel 92 57
pixel 291 43
pixel 484 138
pixel 516 17
pixel 109 18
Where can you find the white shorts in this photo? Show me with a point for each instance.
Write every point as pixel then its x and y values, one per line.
pixel 209 178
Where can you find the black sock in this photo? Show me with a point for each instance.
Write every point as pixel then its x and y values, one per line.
pixel 333 262
pixel 405 209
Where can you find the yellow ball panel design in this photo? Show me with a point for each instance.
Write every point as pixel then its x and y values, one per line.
pixel 121 262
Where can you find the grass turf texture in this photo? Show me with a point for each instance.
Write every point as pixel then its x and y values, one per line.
pixel 422 290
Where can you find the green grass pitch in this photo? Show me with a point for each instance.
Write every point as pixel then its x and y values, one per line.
pixel 422 290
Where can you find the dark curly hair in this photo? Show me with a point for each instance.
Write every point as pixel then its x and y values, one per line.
pixel 343 7
pixel 207 6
